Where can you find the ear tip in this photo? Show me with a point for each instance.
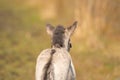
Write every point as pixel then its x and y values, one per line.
pixel 75 23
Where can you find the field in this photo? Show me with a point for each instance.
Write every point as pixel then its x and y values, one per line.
pixel 95 51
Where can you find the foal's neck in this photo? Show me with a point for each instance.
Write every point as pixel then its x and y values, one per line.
pixel 59 47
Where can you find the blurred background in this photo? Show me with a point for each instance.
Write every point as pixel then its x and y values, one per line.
pixel 96 41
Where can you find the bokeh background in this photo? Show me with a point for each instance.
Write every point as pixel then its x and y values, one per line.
pixel 96 41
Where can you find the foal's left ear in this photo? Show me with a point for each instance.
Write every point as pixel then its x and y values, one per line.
pixel 72 28
pixel 50 29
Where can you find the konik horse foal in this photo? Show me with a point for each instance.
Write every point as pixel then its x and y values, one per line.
pixel 56 63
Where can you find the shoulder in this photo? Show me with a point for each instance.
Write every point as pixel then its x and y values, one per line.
pixel 45 51
pixel 44 54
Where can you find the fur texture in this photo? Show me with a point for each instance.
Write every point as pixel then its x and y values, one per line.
pixel 56 63
pixel 58 36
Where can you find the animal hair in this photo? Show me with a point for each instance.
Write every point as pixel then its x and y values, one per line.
pixel 58 36
pixel 48 68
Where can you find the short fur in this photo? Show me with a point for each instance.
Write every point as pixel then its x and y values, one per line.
pixel 56 63
pixel 48 67
pixel 58 36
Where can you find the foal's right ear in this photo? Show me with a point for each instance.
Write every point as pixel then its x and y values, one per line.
pixel 72 28
pixel 50 29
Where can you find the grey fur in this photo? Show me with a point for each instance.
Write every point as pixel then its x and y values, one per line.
pixel 56 63
pixel 58 37
pixel 49 68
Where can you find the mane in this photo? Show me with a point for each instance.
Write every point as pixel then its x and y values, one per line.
pixel 58 36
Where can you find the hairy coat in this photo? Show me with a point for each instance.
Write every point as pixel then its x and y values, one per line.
pixel 56 63
pixel 58 36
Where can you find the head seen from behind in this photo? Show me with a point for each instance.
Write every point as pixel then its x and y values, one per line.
pixel 61 36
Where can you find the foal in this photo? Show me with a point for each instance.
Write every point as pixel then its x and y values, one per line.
pixel 56 63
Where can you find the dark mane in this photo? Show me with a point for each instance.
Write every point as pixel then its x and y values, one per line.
pixel 58 36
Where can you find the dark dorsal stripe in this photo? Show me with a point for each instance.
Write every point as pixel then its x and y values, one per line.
pixel 48 67
pixel 58 37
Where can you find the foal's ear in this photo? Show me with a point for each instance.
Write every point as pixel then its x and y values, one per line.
pixel 72 28
pixel 50 29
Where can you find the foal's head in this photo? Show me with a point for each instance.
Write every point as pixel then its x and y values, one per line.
pixel 61 36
